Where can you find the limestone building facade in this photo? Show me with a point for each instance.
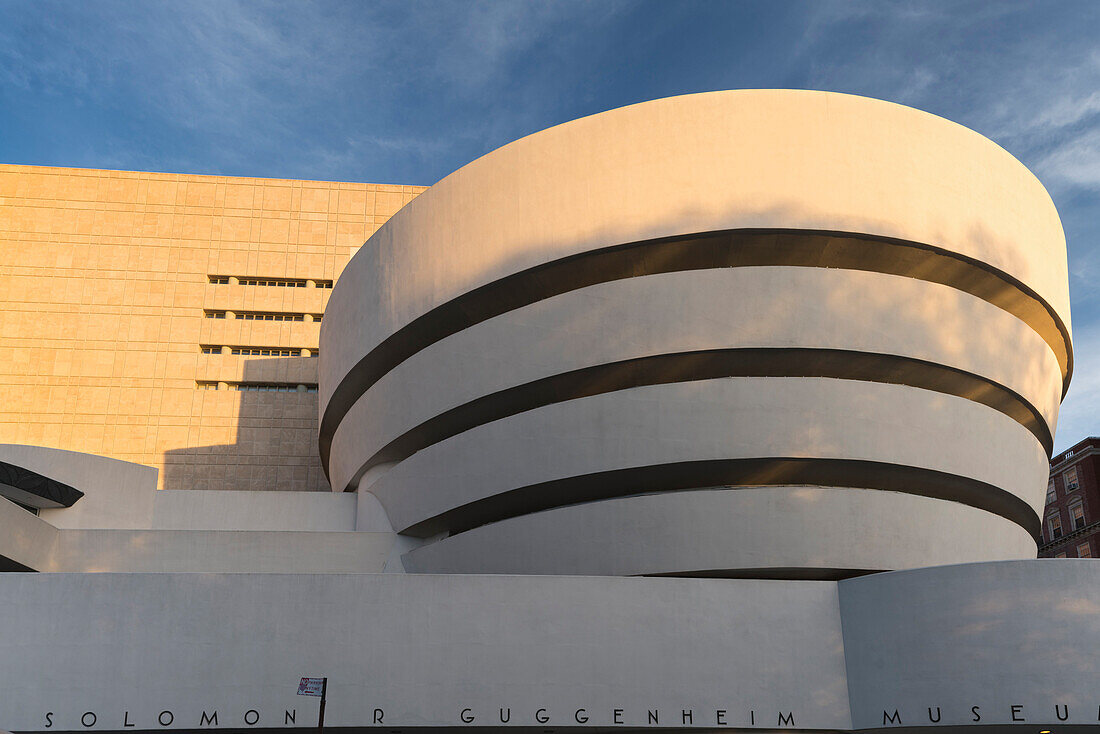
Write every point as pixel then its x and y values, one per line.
pixel 172 320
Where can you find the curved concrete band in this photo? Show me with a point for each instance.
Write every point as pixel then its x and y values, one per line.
pixel 710 420
pixel 742 248
pixel 949 341
pixel 738 289
pixel 759 159
pixel 792 532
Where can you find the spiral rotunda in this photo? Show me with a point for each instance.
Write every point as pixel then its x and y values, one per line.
pixel 777 334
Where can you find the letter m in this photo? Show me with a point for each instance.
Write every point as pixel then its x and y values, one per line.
pixel 894 718
pixel 206 720
pixel 786 718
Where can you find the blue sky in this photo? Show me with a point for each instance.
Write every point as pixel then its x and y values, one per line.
pixel 405 92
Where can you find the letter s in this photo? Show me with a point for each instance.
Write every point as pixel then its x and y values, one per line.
pixel 49 719
pixel 974 710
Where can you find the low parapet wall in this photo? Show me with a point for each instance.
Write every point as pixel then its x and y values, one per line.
pixel 988 645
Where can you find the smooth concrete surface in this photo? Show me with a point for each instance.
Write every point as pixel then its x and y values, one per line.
pixel 739 288
pixel 124 524
pixel 788 159
pixel 218 551
pixel 669 313
pixel 421 648
pixel 227 510
pixel 116 493
pixel 888 651
pixel 666 425
pixel 991 643
pixel 123 495
pixel 151 509
pixel 799 531
pixel 25 540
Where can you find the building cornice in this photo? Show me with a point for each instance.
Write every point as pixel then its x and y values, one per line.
pixel 1077 456
pixel 1076 534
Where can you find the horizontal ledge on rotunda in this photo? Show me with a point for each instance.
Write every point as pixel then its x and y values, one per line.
pixel 710 364
pixel 732 474
pixel 782 573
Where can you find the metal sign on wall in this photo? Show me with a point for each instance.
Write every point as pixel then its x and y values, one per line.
pixel 310 686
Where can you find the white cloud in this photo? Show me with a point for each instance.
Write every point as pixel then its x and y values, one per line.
pixel 1075 160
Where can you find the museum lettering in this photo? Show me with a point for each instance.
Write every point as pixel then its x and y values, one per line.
pixel 482 716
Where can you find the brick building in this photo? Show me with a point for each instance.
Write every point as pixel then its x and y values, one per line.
pixel 1071 524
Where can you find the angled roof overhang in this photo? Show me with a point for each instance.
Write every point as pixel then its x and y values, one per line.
pixel 35 490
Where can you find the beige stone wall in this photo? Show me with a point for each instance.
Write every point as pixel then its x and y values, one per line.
pixel 104 290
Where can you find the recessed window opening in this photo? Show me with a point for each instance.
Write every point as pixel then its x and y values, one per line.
pixel 261 315
pixel 1077 516
pixel 1054 523
pixel 308 387
pixel 250 351
pixel 269 282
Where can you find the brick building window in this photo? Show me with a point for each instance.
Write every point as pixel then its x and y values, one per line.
pixel 1060 555
pixel 1054 523
pixel 1051 496
pixel 1070 478
pixel 1077 516
pixel 1083 551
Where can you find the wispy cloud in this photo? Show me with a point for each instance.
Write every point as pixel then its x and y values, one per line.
pixel 1082 404
pixel 1016 72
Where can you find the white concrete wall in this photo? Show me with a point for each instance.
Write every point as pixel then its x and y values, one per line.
pixel 221 510
pixel 424 649
pixel 973 641
pixel 421 648
pixel 706 420
pixel 218 551
pixel 117 493
pixel 24 539
pixel 730 308
pixel 123 524
pixel 538 323
pixel 698 163
pixel 802 532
